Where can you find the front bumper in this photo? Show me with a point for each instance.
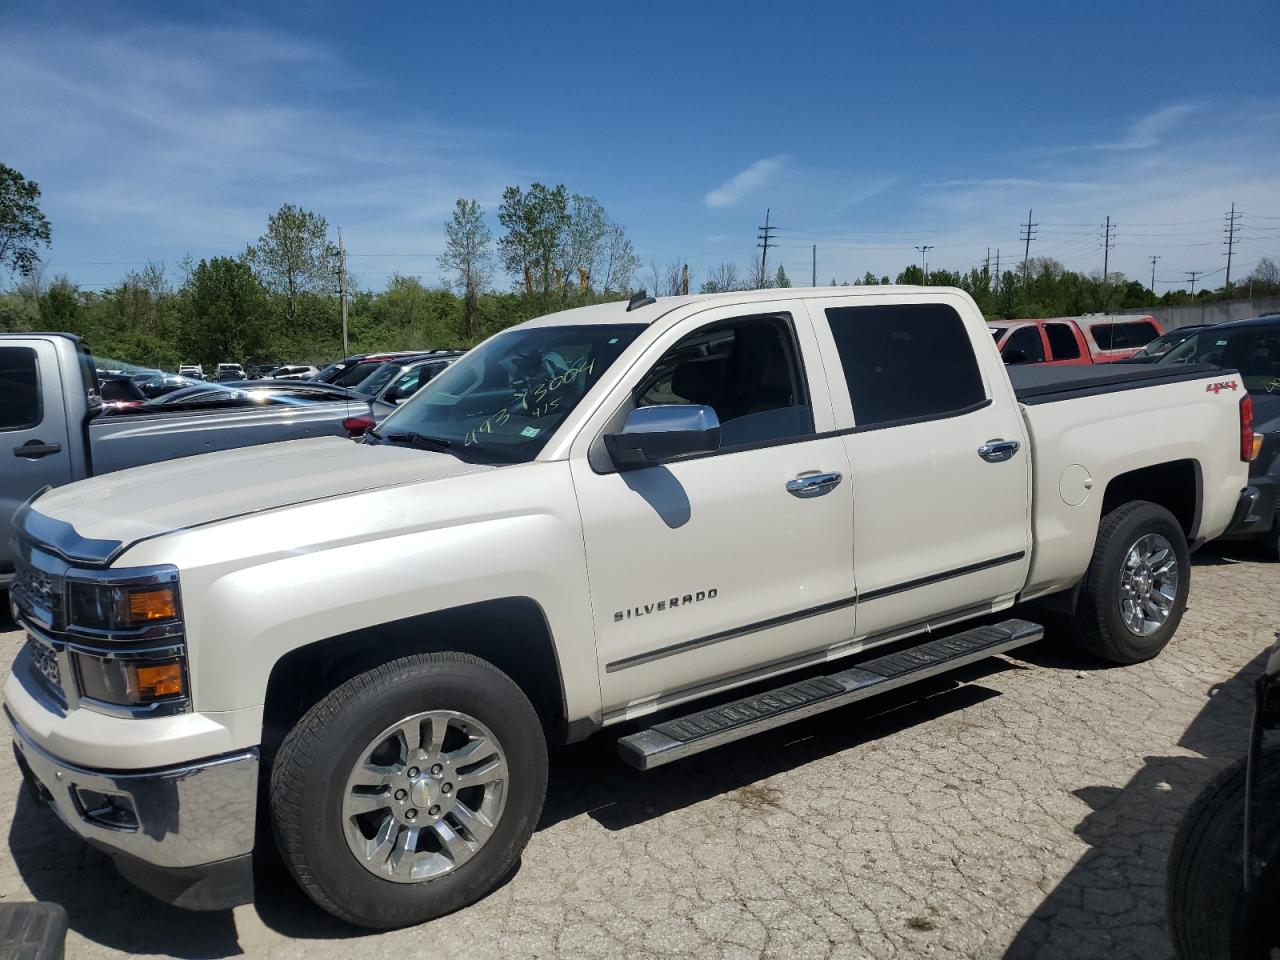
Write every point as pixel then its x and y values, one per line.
pixel 184 834
pixel 1256 511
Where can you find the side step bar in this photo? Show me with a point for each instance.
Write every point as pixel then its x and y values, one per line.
pixel 712 727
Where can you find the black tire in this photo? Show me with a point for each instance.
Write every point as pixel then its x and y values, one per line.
pixel 310 770
pixel 1098 627
pixel 1209 915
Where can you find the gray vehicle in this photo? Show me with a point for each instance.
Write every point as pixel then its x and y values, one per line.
pixel 412 377
pixel 52 419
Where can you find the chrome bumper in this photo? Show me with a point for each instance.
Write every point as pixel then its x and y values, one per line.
pixel 175 819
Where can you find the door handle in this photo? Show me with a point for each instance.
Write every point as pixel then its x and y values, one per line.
pixel 998 451
pixel 35 449
pixel 813 484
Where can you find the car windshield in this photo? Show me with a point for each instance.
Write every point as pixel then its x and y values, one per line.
pixel 1254 351
pixel 997 332
pixel 501 402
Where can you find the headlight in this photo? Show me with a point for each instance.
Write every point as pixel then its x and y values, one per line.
pixel 133 682
pixel 99 606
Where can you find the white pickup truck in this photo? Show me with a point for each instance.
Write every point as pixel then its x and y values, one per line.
pixel 619 512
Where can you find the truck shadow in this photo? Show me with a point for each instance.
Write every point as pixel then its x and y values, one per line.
pixel 1111 904
pixel 101 906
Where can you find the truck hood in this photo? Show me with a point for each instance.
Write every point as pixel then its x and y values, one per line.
pixel 96 519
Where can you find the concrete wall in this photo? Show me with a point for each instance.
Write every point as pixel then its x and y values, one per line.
pixel 1195 313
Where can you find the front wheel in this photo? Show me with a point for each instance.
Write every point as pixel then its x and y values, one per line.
pixel 409 791
pixel 1135 590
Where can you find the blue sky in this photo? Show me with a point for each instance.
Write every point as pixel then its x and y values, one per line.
pixel 156 130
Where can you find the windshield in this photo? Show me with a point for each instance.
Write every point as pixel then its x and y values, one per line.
pixel 501 402
pixel 997 332
pixel 1254 351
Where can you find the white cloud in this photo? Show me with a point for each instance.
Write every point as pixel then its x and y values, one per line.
pixel 1148 131
pixel 745 182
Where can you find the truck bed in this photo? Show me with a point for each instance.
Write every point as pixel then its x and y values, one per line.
pixel 1049 383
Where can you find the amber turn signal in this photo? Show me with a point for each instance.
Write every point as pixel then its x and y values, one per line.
pixel 155 604
pixel 160 680
pixel 1257 447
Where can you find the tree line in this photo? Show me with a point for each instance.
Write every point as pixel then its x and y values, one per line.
pixel 278 300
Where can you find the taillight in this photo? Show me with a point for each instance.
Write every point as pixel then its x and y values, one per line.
pixel 356 426
pixel 1250 442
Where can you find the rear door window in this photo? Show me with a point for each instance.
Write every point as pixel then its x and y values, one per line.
pixel 1062 341
pixel 904 363
pixel 19 389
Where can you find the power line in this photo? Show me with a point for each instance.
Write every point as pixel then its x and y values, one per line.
pixel 1153 258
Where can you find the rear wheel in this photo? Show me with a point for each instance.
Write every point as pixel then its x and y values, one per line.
pixel 409 791
pixel 1135 589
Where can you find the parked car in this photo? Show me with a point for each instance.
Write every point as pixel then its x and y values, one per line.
pixel 295 371
pixel 53 417
pixel 1253 348
pixel 258 371
pixel 1162 344
pixel 334 371
pixel 158 386
pixel 1224 867
pixel 1040 341
pixel 410 377
pixel 229 371
pixel 193 370
pixel 592 517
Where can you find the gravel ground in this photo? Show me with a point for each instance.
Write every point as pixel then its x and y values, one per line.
pixel 1025 811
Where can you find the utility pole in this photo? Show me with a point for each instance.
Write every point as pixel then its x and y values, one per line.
pixel 1153 258
pixel 1028 234
pixel 1107 244
pixel 684 280
pixel 986 265
pixel 1231 241
pixel 764 245
pixel 814 282
pixel 924 261
pixel 1193 274
pixel 997 270
pixel 342 290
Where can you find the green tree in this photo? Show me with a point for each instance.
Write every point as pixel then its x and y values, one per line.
pixel 535 224
pixel 294 257
pixel 225 307
pixel 780 279
pixel 23 228
pixel 468 257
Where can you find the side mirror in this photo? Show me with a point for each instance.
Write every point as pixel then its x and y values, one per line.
pixel 655 434
pixel 1014 356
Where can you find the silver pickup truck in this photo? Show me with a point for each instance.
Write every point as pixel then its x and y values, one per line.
pixel 51 420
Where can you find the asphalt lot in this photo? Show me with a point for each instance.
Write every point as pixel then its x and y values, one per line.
pixel 1025 812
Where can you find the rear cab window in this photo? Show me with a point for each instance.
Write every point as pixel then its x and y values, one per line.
pixel 906 363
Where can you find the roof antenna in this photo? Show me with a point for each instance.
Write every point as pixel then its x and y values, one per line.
pixel 640 299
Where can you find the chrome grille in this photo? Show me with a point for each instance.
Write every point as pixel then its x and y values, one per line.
pixel 36 592
pixel 45 662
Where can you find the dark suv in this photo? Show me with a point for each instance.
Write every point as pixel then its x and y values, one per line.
pixel 1253 348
